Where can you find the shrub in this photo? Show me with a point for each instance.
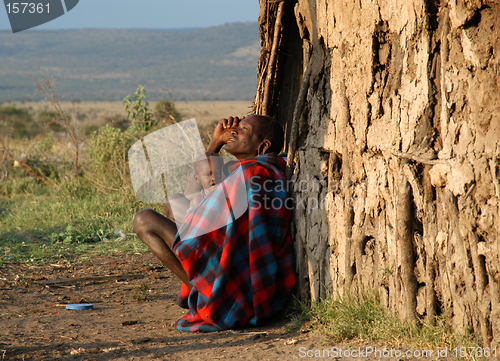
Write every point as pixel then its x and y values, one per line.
pixel 138 111
pixel 121 123
pixel 46 117
pixel 166 112
pixel 89 129
pixel 17 123
pixel 108 162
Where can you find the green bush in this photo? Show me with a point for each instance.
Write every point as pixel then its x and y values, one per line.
pixel 48 117
pixel 108 148
pixel 89 129
pixel 17 123
pixel 108 161
pixel 139 112
pixel 166 112
pixel 50 170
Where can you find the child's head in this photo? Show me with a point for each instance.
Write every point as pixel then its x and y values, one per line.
pixel 208 169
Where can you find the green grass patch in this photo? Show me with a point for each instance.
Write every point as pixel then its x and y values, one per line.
pixel 363 320
pixel 46 227
pixel 71 220
pixel 49 213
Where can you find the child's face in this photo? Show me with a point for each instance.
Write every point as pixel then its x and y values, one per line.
pixel 208 172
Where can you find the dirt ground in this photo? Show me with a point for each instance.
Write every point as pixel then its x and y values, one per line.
pixel 132 318
pixel 35 325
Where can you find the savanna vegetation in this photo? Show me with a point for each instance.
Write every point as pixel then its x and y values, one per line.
pixel 65 189
pixel 58 209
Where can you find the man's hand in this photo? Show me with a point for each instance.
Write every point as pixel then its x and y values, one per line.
pixel 222 133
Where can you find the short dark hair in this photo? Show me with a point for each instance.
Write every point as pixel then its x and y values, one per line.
pixel 270 129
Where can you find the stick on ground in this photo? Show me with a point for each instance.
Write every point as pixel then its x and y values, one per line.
pixel 89 278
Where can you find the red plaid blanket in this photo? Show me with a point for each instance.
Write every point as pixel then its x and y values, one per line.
pixel 236 249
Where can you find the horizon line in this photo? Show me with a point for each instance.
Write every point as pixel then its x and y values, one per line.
pixel 135 28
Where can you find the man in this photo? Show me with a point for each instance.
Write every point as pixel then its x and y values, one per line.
pixel 233 252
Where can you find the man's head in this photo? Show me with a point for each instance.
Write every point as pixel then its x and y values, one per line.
pixel 208 169
pixel 255 135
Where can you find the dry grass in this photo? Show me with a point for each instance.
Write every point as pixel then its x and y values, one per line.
pixel 205 111
pixel 100 113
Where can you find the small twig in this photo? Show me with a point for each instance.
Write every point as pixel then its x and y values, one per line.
pixel 247 333
pixel 124 158
pixel 131 136
pixel 124 179
pixel 100 186
pixel 33 172
pixel 416 158
pixel 171 97
pixel 48 91
pixel 470 191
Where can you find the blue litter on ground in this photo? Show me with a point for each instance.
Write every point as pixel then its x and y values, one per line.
pixel 79 306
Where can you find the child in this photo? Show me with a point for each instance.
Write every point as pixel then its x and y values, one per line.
pixel 207 173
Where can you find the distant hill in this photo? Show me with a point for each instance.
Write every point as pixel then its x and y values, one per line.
pixel 217 63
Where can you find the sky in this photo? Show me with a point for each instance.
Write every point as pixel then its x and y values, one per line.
pixel 149 14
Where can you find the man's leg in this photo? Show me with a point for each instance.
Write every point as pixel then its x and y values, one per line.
pixel 158 233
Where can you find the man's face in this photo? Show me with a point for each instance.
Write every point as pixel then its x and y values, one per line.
pixel 244 141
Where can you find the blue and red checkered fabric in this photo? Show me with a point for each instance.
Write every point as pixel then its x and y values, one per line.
pixel 237 250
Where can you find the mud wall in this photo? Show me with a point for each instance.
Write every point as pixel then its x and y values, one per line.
pixel 392 109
